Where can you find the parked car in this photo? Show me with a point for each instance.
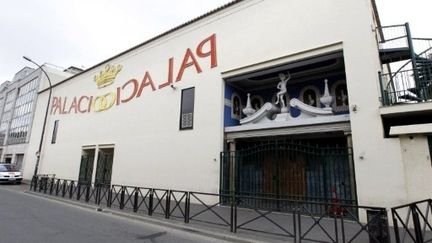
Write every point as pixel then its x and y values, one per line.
pixel 10 174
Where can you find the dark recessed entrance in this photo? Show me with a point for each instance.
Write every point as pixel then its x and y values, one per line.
pixel 317 170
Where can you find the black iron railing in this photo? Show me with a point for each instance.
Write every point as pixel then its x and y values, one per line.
pixel 336 223
pixel 393 36
pixel 413 222
pixel 405 89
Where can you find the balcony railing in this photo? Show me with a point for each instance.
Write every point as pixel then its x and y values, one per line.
pixel 402 88
pixel 393 36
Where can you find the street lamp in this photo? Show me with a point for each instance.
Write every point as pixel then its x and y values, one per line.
pixel 38 153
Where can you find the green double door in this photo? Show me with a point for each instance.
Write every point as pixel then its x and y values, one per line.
pixel 103 167
pixel 86 167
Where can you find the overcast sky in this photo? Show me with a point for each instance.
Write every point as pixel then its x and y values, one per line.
pixel 84 32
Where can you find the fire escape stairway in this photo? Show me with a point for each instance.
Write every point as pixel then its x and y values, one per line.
pixel 424 72
pixel 422 75
pixel 412 82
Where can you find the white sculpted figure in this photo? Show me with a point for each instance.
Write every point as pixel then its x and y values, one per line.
pixel 282 87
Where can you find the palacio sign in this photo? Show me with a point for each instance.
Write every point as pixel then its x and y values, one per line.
pixel 133 88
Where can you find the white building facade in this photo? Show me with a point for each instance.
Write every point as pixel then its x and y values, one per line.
pixel 17 106
pixel 170 113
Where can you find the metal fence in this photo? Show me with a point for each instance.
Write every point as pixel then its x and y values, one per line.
pixel 403 88
pixel 299 222
pixel 413 222
pixel 393 36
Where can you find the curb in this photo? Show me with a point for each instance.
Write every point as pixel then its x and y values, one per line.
pixel 154 221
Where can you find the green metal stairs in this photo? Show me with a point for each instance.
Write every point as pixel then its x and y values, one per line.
pixel 412 82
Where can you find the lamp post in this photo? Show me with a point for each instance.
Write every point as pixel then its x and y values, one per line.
pixel 38 153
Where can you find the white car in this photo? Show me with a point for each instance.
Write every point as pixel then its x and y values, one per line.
pixel 10 174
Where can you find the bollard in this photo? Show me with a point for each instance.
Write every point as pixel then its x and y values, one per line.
pixel 57 186
pixel 122 196
pixel 135 204
pixel 78 192
pixel 71 186
pixel 187 207
pixel 52 186
pixel 98 193
pixel 150 207
pixel 35 183
pixel 167 204
pixel 64 188
pixel 45 185
pixel 87 198
pixel 109 197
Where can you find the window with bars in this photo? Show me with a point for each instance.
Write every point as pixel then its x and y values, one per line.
pixel 187 108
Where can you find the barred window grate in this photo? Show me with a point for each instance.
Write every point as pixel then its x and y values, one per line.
pixel 187 120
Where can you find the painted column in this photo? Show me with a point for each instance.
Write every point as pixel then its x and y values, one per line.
pixel 232 163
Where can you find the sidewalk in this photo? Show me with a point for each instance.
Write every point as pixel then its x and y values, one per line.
pixel 231 217
pixel 198 227
pixel 217 220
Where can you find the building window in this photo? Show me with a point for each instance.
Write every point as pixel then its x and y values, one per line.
pixel 187 108
pixel 22 112
pixel 7 114
pixel 54 134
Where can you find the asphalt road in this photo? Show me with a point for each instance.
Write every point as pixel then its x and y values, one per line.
pixel 28 218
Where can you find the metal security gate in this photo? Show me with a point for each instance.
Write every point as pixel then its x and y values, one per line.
pixel 290 170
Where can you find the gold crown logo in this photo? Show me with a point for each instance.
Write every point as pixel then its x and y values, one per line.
pixel 107 76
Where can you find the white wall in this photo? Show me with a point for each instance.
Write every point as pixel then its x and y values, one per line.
pixel 149 148
pixel 417 166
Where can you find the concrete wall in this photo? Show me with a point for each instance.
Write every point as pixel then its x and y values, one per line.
pixel 417 166
pixel 149 148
